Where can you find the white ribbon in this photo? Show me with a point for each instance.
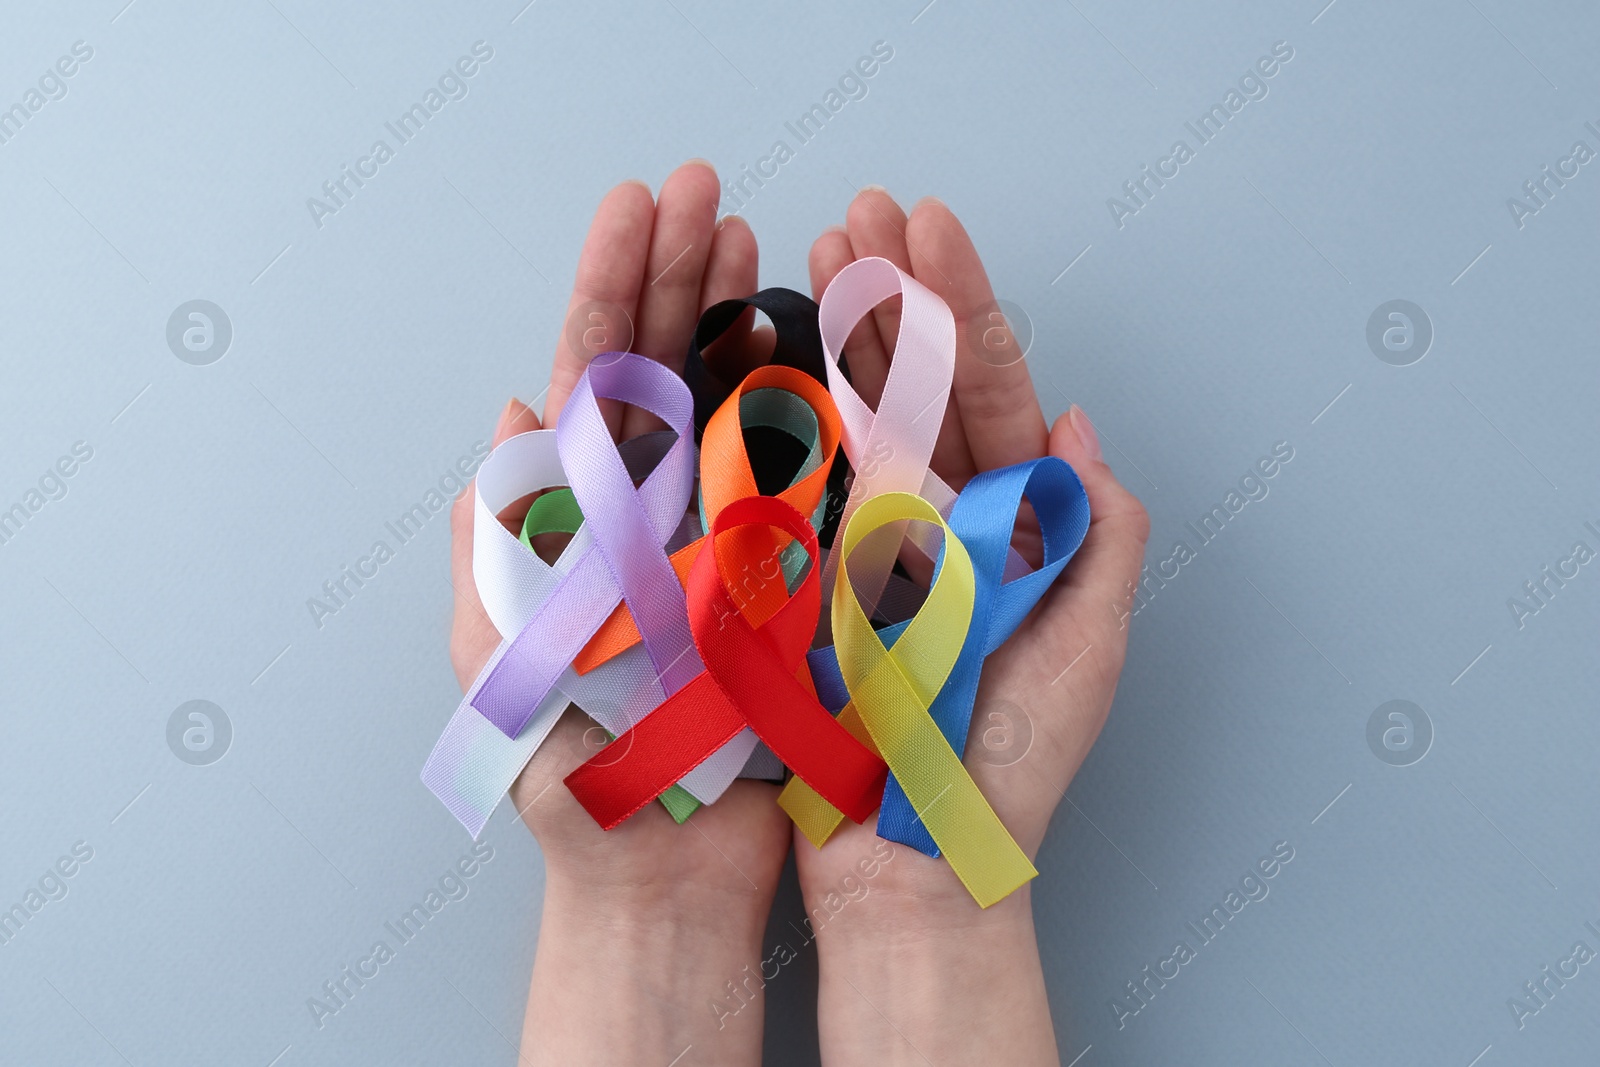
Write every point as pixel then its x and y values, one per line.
pixel 474 763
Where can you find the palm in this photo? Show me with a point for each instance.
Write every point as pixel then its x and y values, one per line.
pixel 651 266
pixel 656 266
pixel 1040 703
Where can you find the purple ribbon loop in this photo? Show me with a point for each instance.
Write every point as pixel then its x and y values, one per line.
pixel 627 560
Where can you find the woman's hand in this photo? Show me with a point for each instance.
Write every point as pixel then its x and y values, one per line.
pixel 911 967
pixel 643 925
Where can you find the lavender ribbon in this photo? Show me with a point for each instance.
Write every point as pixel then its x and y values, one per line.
pixel 627 560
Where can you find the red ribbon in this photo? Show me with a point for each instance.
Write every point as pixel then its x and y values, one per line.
pixel 754 676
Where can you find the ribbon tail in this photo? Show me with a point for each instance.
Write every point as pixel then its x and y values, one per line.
pixel 975 842
pixel 897 821
pixel 473 763
pixel 949 803
pixel 643 763
pixel 680 804
pixel 816 818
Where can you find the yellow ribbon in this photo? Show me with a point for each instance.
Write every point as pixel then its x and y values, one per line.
pixel 890 692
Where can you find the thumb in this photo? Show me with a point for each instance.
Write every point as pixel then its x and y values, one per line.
pixel 516 418
pixel 1094 594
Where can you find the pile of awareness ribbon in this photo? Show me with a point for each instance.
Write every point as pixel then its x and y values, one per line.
pixel 722 608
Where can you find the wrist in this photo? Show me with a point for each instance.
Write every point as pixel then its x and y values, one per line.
pixel 913 968
pixel 655 918
pixel 629 974
pixel 904 897
pixel 896 927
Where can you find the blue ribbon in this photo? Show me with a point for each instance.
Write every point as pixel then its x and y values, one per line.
pixel 982 518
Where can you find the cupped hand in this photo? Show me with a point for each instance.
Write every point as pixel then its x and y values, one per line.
pixel 648 269
pixel 1045 694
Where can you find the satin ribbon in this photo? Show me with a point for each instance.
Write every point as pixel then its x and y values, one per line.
pixel 474 763
pixel 982 521
pixel 892 690
pixel 554 512
pixel 626 560
pixel 890 448
pixel 784 399
pixel 797 343
pixel 755 676
pixel 557 512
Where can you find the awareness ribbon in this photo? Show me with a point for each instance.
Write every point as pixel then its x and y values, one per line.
pixel 755 676
pixel 981 520
pixel 892 690
pixel 474 763
pixel 890 448
pixel 626 560
pixel 796 343
pixel 777 397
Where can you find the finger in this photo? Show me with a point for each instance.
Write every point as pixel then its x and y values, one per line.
pixel 1093 600
pixel 868 359
pixel 470 630
pixel 1064 662
pixel 669 303
pixel 609 276
pixel 759 348
pixel 472 635
pixel 517 418
pixel 731 272
pixel 994 395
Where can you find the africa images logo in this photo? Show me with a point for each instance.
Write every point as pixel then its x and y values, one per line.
pixel 452 886
pixel 1252 85
pixel 1253 887
pixel 452 85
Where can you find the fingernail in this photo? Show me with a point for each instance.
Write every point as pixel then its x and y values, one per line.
pixel 505 417
pixel 1085 431
pixel 837 227
pixel 928 201
pixel 706 163
pixel 874 189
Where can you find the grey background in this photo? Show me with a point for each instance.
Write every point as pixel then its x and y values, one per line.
pixel 1226 316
